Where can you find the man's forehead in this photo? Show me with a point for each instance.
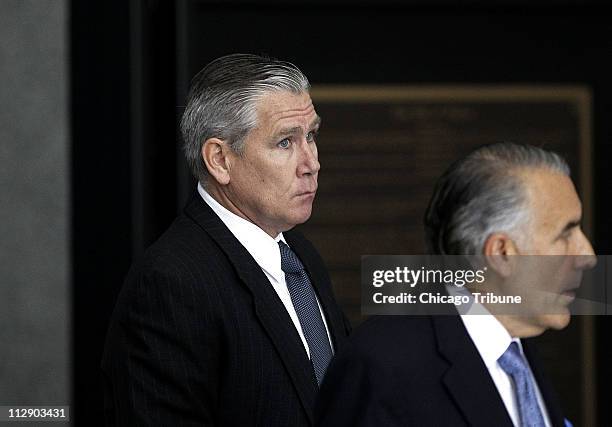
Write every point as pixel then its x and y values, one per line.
pixel 281 106
pixel 552 194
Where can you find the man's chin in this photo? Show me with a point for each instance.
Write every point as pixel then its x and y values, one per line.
pixel 557 321
pixel 302 214
pixel 296 220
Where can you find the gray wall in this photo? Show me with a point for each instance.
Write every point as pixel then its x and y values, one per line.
pixel 34 203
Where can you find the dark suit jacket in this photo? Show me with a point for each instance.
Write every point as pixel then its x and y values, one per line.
pixel 417 371
pixel 200 337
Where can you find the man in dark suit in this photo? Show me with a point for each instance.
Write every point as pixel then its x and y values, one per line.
pixel 229 319
pixel 498 202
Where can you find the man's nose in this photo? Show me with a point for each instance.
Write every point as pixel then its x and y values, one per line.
pixel 585 257
pixel 309 161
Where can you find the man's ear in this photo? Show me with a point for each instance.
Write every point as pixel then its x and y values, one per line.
pixel 214 155
pixel 498 250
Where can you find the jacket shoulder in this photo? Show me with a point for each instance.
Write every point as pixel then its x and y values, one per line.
pixel 390 340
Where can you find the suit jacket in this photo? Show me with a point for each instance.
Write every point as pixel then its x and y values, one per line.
pixel 417 371
pixel 200 337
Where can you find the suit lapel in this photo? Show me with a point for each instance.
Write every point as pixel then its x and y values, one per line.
pixel 321 283
pixel 467 378
pixel 268 307
pixel 548 395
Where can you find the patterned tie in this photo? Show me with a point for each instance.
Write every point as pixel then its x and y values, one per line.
pixel 305 303
pixel 514 364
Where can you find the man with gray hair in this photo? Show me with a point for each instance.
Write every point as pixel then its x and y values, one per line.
pixel 502 203
pixel 229 319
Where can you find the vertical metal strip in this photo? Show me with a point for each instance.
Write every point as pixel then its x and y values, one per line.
pixel 183 177
pixel 136 128
pixel 589 367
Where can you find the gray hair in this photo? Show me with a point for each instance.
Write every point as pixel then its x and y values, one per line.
pixel 483 193
pixel 222 101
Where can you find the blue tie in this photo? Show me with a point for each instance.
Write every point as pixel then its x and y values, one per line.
pixel 514 364
pixel 305 303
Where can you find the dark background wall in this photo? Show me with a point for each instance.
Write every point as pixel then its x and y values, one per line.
pixel 132 61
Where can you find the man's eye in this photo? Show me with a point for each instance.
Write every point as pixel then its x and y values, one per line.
pixel 310 136
pixel 284 143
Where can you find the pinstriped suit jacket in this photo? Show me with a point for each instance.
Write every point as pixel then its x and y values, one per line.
pixel 199 336
pixel 418 371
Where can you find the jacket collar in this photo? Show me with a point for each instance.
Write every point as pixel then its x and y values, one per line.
pixel 467 378
pixel 469 383
pixel 548 394
pixel 268 307
pixel 322 285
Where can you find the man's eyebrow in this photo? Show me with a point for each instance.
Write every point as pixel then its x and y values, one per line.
pixel 297 129
pixel 571 224
pixel 288 131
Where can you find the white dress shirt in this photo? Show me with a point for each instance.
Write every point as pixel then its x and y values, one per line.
pixel 492 339
pixel 264 249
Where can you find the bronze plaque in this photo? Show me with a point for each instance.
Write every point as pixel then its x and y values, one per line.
pixel 382 149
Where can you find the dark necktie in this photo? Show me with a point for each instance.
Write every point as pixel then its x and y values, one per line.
pixel 305 303
pixel 514 364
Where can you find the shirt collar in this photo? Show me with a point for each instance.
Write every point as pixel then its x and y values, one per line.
pixel 263 248
pixel 490 337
